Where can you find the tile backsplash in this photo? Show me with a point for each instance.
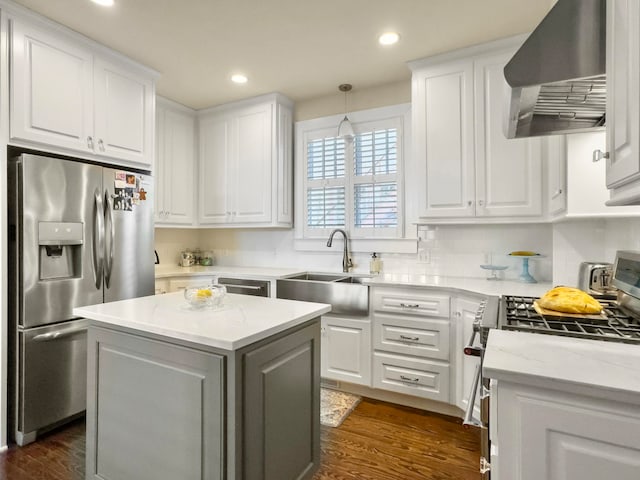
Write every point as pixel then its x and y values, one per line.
pixel 450 250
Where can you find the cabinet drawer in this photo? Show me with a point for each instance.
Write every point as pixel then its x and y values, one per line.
pixel 422 337
pixel 181 283
pixel 411 303
pixel 412 376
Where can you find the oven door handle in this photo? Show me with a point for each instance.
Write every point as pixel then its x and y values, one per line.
pixel 468 420
pixel 470 349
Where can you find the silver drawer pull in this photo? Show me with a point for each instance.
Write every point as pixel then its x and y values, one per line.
pixel 407 379
pixel 244 287
pixel 58 334
pixel 410 305
pixel 411 339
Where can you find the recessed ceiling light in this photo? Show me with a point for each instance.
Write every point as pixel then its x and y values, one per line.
pixel 104 3
pixel 239 78
pixel 388 38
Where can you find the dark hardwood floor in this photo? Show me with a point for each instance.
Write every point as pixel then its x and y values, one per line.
pixel 378 441
pixel 58 455
pixel 381 441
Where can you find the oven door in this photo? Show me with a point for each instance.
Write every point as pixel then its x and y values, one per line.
pixel 477 402
pixel 479 391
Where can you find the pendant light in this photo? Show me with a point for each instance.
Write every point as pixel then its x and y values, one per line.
pixel 345 129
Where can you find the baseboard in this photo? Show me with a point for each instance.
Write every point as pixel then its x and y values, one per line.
pixel 393 397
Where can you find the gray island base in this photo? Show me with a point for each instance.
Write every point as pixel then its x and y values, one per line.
pixel 229 394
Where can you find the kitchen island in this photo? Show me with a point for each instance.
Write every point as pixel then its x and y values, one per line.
pixel 562 408
pixel 226 393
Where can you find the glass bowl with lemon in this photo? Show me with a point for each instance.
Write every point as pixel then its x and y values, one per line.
pixel 206 296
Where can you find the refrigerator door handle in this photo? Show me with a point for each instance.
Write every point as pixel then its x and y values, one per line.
pixel 112 234
pixel 98 237
pixel 65 332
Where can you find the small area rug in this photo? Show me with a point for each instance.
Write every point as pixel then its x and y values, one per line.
pixel 336 406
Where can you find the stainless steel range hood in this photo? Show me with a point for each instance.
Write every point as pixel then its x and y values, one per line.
pixel 558 77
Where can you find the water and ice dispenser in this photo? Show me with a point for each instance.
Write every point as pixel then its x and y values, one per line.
pixel 60 250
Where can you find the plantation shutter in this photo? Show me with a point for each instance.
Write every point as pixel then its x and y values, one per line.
pixel 326 183
pixel 375 189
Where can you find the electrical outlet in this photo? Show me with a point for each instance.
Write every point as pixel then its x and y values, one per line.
pixel 424 255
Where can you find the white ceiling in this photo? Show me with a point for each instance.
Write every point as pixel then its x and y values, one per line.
pixel 301 48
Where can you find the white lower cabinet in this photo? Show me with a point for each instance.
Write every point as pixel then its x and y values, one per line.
pixel 181 283
pixel 556 435
pixel 411 341
pixel 346 349
pixel 411 375
pixel 424 337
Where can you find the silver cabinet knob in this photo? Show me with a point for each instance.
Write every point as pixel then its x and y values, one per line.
pixel 101 145
pixel 90 142
pixel 599 155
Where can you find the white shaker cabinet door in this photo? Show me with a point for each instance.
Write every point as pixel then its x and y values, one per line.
pixel 253 165
pixel 443 139
pixel 560 436
pixel 346 349
pixel 51 89
pixel 178 168
pixel 124 113
pixel 508 171
pixel 623 91
pixel 215 170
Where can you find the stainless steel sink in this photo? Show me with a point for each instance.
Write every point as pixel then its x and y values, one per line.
pixel 346 293
pixel 317 277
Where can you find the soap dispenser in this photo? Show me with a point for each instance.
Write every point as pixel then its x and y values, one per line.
pixel 375 265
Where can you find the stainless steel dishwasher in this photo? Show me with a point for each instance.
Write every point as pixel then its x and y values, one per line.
pixel 257 288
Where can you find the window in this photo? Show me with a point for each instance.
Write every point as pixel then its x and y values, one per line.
pixel 355 183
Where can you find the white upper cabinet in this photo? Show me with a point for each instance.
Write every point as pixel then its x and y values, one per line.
pixel 175 164
pixel 576 187
pixel 245 163
pixel 508 171
pixel 556 153
pixel 66 96
pixel 623 101
pixel 124 107
pixel 467 167
pixel 252 180
pixel 442 104
pixel 51 89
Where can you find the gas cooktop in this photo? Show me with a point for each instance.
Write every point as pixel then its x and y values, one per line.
pixel 617 325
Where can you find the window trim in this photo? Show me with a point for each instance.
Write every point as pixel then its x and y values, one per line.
pixel 327 126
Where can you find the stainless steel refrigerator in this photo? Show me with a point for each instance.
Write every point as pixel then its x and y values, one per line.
pixel 79 234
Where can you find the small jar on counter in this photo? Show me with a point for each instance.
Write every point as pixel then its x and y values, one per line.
pixel 187 259
pixel 206 259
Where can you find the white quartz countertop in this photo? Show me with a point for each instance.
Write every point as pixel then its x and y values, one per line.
pixel 240 321
pixel 598 368
pixel 477 285
pixel 257 273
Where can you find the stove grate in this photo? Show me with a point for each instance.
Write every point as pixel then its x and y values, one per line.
pixel 519 314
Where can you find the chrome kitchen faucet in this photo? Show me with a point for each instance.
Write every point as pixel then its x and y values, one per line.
pixel 346 260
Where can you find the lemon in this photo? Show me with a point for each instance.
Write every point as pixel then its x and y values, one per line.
pixel 203 293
